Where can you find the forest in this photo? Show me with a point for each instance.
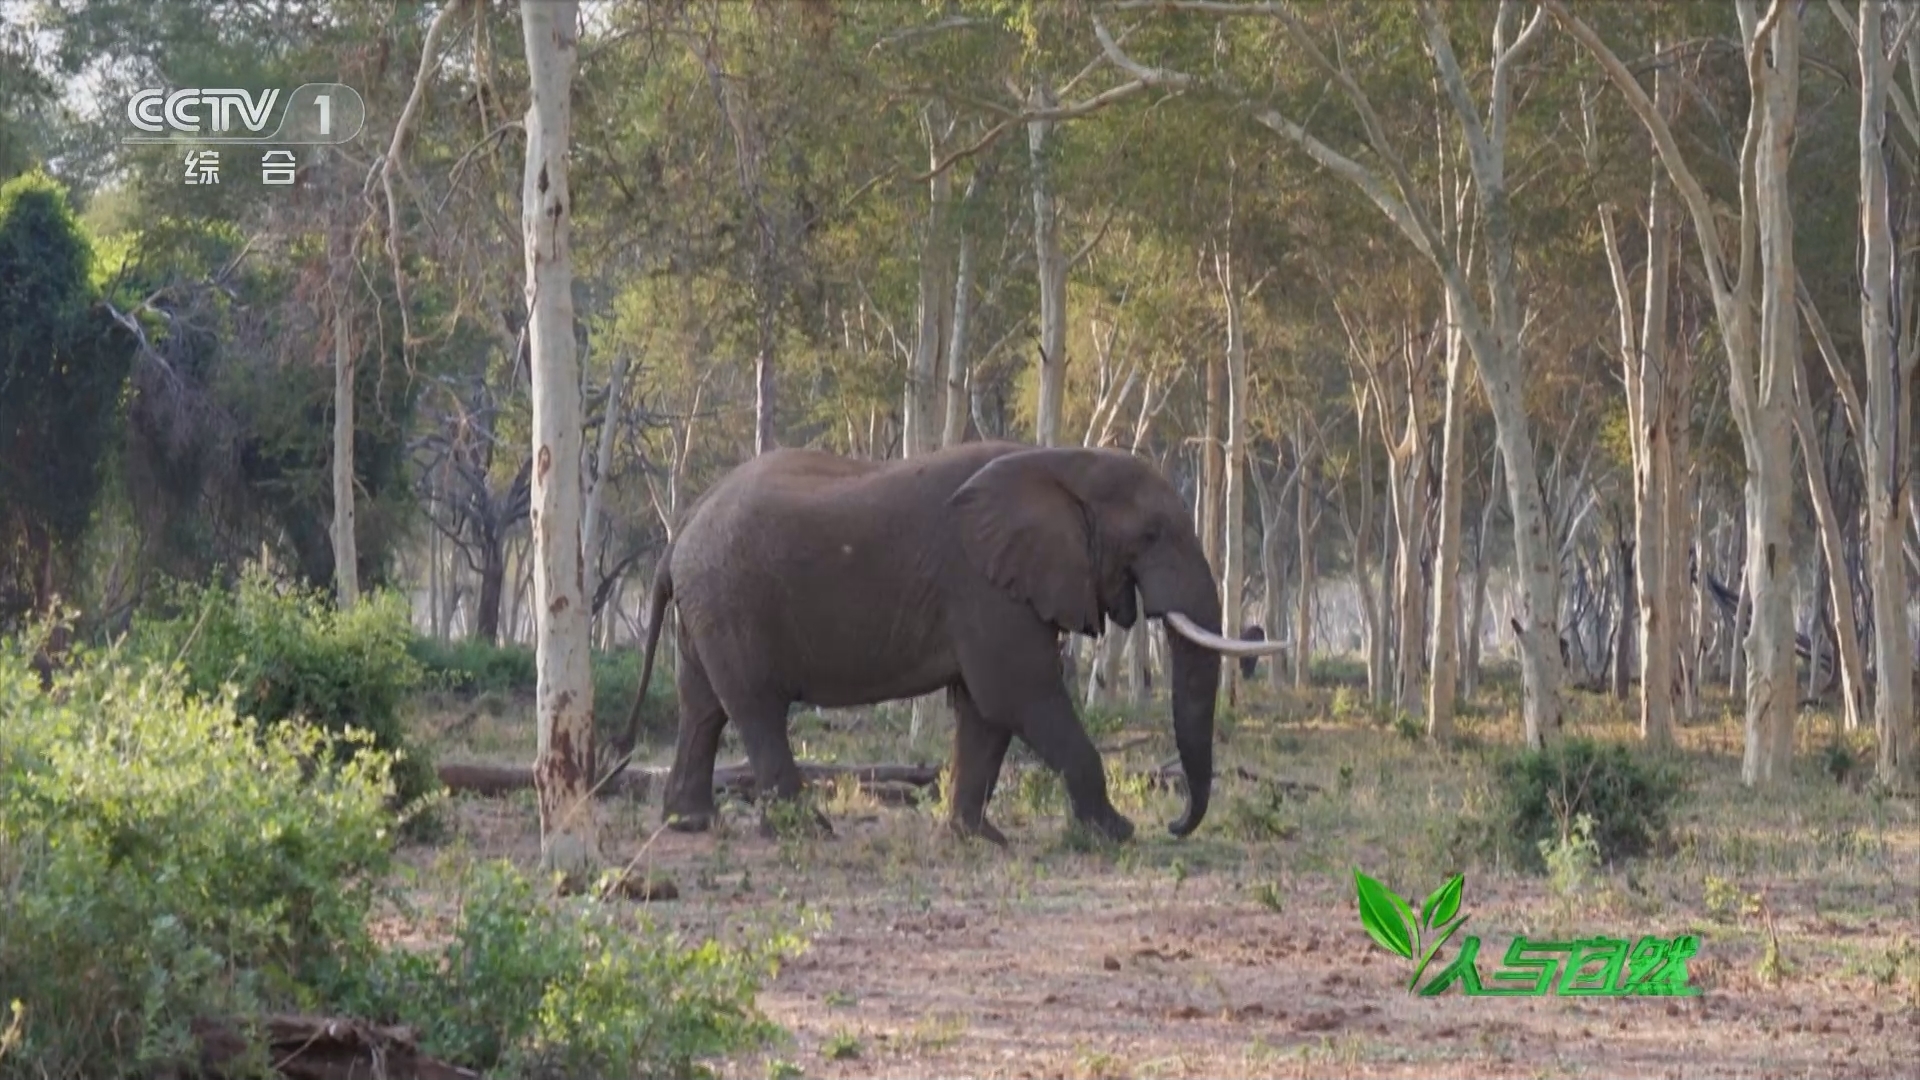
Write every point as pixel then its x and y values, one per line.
pixel 1531 384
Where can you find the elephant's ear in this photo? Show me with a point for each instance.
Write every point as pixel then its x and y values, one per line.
pixel 1030 535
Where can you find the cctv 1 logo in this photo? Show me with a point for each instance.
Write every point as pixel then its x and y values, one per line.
pixel 315 113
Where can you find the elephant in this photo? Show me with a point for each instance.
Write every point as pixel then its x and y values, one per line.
pixel 807 577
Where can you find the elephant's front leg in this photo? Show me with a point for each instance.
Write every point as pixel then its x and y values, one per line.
pixel 1054 732
pixel 979 749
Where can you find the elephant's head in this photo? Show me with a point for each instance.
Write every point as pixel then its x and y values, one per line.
pixel 1086 535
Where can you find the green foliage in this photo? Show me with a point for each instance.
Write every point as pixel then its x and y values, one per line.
pixel 526 987
pixel 288 653
pixel 1543 793
pixel 476 667
pixel 163 858
pixel 62 366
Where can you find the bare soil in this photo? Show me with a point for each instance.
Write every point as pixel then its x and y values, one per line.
pixel 1238 952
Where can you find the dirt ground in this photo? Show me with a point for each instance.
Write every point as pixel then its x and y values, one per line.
pixel 1239 951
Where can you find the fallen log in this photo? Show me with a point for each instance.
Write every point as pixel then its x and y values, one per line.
pixel 883 781
pixel 323 1048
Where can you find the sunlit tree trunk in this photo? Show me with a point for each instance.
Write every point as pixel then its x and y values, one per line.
pixel 563 767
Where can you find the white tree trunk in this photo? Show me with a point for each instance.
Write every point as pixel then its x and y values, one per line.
pixel 1888 419
pixel 1834 552
pixel 1303 599
pixel 1234 565
pixel 346 558
pixel 563 768
pixel 954 430
pixel 1768 406
pixel 919 434
pixel 603 458
pixel 1051 263
pixel 1444 679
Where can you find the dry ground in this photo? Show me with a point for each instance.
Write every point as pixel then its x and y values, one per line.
pixel 1238 951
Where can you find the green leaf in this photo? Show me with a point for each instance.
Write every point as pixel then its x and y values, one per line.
pixel 1433 949
pixel 1387 918
pixel 1443 903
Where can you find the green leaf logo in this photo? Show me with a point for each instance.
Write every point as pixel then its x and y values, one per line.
pixel 1390 921
pixel 1387 917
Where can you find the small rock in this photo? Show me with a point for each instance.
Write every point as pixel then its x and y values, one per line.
pixel 1111 963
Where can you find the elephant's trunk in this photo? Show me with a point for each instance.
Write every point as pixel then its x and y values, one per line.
pixel 1196 686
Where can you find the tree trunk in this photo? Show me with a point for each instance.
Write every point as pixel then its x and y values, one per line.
pixel 1624 581
pixel 346 559
pixel 1887 445
pixel 1233 570
pixel 564 765
pixel 954 431
pixel 1446 564
pixel 920 436
pixel 1051 263
pixel 1477 608
pixel 493 582
pixel 1833 548
pixel 603 461
pixel 1303 598
pixel 1212 463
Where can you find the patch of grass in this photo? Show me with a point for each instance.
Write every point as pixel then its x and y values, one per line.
pixel 842 1045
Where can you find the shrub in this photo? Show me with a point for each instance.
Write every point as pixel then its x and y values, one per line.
pixel 474 666
pixel 571 988
pixel 290 654
pixel 1542 793
pixel 164 859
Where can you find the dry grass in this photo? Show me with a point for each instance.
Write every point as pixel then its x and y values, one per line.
pixel 1238 952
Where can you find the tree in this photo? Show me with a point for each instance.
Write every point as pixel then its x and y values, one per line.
pixel 62 365
pixel 1754 302
pixel 563 769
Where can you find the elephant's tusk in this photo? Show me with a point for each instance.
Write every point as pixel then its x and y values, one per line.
pixel 1192 632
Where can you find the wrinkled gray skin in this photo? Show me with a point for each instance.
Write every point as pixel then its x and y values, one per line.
pixel 807 577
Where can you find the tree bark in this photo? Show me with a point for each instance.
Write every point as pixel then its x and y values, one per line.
pixel 1477 608
pixel 564 764
pixel 603 458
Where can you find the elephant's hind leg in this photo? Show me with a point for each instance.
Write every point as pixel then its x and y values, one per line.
pixel 689 802
pixel 979 749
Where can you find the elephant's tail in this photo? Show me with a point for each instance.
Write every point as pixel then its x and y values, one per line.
pixel 656 616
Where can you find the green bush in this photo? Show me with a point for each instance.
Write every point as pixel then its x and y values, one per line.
pixel 616 679
pixel 164 859
pixel 474 666
pixel 290 654
pixel 1542 794
pixel 571 988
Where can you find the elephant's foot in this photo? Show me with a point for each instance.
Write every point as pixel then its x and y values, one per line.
pixel 976 830
pixel 1112 825
pixel 689 821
